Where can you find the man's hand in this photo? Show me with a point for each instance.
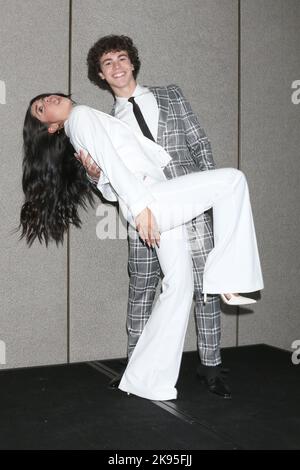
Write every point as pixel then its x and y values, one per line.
pixel 147 227
pixel 90 166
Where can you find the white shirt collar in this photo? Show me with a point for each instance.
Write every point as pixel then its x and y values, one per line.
pixel 139 90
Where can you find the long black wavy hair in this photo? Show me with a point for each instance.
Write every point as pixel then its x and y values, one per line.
pixel 55 184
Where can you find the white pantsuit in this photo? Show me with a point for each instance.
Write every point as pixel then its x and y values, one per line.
pixel 130 172
pixel 232 266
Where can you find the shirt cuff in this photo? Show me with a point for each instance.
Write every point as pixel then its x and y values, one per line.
pixel 137 207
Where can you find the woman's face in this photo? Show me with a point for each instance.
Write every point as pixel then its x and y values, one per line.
pixel 52 110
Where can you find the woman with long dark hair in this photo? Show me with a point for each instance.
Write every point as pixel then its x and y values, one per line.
pixel 54 182
pixel 131 168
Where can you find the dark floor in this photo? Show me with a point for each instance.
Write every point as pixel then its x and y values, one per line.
pixel 70 407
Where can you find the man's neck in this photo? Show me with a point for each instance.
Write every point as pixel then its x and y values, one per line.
pixel 125 92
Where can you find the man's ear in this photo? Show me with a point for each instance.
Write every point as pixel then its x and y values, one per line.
pixel 53 128
pixel 101 76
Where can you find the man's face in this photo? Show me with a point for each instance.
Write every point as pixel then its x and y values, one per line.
pixel 117 70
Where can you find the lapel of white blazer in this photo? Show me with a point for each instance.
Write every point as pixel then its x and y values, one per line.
pixel 162 98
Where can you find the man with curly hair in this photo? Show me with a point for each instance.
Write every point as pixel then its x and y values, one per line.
pixel 163 114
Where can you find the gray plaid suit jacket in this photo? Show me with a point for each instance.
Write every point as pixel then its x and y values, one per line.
pixel 181 135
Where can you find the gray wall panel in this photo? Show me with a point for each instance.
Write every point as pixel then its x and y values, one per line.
pixel 191 43
pixel 34 58
pixel 270 158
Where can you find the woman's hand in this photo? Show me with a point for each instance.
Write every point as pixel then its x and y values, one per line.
pixel 90 166
pixel 147 227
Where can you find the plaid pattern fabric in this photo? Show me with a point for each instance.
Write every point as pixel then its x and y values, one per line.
pixel 180 133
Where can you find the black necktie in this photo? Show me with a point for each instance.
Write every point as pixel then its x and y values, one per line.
pixel 140 119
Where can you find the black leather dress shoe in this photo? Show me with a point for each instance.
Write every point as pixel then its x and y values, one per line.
pixel 115 382
pixel 218 386
pixel 214 378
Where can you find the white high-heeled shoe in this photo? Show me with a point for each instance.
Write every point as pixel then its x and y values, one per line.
pixel 237 300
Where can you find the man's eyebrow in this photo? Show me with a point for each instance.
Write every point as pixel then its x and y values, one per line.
pixel 105 60
pixel 123 54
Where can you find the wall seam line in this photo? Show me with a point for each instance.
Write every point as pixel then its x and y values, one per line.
pixel 238 138
pixel 68 233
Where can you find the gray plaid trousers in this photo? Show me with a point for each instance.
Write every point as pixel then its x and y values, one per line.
pixel 180 133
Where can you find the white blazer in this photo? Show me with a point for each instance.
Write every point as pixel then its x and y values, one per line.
pixel 126 158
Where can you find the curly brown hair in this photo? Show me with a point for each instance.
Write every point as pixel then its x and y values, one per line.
pixel 108 44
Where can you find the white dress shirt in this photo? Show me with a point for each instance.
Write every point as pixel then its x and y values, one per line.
pixel 148 105
pixel 126 158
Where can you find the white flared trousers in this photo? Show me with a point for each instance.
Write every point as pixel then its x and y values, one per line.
pixel 232 266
